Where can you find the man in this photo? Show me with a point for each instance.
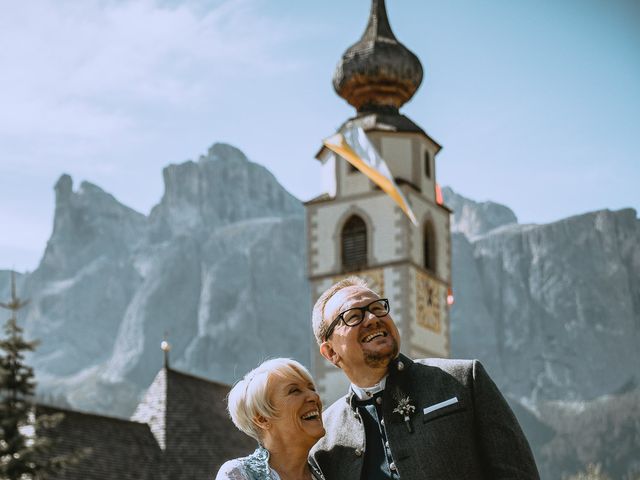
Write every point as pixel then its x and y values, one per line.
pixel 422 419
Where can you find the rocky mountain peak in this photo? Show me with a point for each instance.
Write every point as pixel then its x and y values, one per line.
pixel 476 218
pixel 88 189
pixel 86 218
pixel 214 266
pixel 224 152
pixel 198 194
pixel 63 188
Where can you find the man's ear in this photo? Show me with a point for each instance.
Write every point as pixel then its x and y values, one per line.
pixel 327 351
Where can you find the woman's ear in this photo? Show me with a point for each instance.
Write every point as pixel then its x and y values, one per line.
pixel 327 351
pixel 262 422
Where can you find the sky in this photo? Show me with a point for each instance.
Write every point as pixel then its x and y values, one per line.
pixel 536 103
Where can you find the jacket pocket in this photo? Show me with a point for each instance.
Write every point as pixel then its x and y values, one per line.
pixel 440 409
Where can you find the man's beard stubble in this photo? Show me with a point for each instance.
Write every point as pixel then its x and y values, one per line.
pixel 379 360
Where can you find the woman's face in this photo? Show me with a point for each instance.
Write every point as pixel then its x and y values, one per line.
pixel 299 410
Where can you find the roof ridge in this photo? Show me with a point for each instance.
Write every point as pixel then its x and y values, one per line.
pixel 86 413
pixel 196 377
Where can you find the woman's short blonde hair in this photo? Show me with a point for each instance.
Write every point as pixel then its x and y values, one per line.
pixel 250 398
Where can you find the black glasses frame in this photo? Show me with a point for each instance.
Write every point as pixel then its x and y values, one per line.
pixel 364 310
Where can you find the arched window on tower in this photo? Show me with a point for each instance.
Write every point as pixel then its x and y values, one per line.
pixel 429 248
pixel 354 244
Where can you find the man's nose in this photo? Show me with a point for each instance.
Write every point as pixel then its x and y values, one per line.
pixel 369 319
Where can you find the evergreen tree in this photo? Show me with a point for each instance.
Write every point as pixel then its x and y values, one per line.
pixel 23 454
pixel 593 472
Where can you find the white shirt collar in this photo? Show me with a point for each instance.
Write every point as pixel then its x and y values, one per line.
pixel 365 393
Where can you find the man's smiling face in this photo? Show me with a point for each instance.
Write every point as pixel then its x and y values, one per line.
pixel 370 345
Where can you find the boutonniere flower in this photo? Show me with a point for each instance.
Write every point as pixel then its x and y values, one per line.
pixel 405 409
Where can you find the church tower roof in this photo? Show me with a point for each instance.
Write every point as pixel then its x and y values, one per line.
pixel 377 74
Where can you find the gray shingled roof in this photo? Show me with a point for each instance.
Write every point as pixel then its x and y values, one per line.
pixel 188 414
pixel 200 435
pixel 121 449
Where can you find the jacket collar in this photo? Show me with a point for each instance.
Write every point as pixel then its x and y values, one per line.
pixel 368 392
pixel 396 376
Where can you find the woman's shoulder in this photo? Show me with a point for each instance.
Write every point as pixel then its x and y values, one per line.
pixel 251 467
pixel 233 470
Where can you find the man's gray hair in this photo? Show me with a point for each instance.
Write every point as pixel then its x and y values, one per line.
pixel 320 327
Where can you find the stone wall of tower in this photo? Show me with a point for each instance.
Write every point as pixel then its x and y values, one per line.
pixel 404 153
pixel 385 238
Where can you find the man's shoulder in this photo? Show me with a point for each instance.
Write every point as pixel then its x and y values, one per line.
pixel 461 370
pixel 337 409
pixel 449 365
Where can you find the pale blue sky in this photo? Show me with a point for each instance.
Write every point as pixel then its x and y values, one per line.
pixel 536 103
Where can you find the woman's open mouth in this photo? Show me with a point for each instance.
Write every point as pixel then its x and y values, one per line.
pixel 312 415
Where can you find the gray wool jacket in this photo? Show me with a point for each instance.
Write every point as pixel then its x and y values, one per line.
pixel 461 427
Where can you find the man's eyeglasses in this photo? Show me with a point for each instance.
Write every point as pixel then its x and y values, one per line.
pixel 354 316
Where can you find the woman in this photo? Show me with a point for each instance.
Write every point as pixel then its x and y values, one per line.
pixel 277 404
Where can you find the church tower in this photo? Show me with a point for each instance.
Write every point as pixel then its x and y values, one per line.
pixel 354 228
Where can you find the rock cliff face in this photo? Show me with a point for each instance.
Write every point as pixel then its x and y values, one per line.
pixel 554 312
pixel 218 266
pixel 604 431
pixel 85 280
pixel 552 307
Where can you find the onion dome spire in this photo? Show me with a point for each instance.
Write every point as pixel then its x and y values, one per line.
pixel 377 73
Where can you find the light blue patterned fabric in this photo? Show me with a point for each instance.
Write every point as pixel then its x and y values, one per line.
pixel 257 464
pixel 254 467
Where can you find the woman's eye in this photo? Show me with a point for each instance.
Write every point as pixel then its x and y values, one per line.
pixel 294 390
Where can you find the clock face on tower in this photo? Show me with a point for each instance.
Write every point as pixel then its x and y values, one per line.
pixel 429 295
